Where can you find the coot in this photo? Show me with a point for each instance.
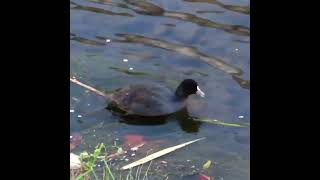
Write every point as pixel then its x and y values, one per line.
pixel 153 99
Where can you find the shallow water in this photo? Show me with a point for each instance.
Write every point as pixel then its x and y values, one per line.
pixel 166 42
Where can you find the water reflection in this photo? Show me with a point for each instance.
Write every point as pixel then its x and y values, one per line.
pixel 242 41
pixel 86 41
pixel 183 118
pixel 139 55
pixel 239 9
pixel 169 25
pixel 148 8
pixel 243 83
pixel 129 72
pixel 234 29
pixel 76 6
pixel 208 11
pixel 182 49
pixel 192 52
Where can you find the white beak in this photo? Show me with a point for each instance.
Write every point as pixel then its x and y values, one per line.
pixel 199 92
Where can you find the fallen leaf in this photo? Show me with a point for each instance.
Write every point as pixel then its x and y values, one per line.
pixel 204 177
pixel 132 140
pixel 75 140
pixel 206 165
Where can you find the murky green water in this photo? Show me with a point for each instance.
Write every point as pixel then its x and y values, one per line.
pixel 166 42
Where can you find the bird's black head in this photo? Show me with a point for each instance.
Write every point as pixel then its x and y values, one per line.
pixel 188 87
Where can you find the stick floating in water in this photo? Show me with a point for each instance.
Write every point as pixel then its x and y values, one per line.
pixel 158 154
pixel 87 87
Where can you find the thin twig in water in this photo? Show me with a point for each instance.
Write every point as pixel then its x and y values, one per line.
pixel 215 121
pixel 88 87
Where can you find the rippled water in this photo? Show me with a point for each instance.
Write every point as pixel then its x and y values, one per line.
pixel 166 42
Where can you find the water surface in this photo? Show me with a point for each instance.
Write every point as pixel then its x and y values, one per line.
pixel 166 42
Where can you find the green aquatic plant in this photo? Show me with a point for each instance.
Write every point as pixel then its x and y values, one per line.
pixel 89 162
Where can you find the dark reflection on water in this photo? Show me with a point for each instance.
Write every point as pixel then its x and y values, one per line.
pixel 97 10
pixel 192 52
pixel 242 41
pixel 208 11
pixel 186 123
pixel 182 117
pixel 243 83
pixel 185 50
pixel 86 41
pixel 150 9
pixel 182 49
pixel 239 9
